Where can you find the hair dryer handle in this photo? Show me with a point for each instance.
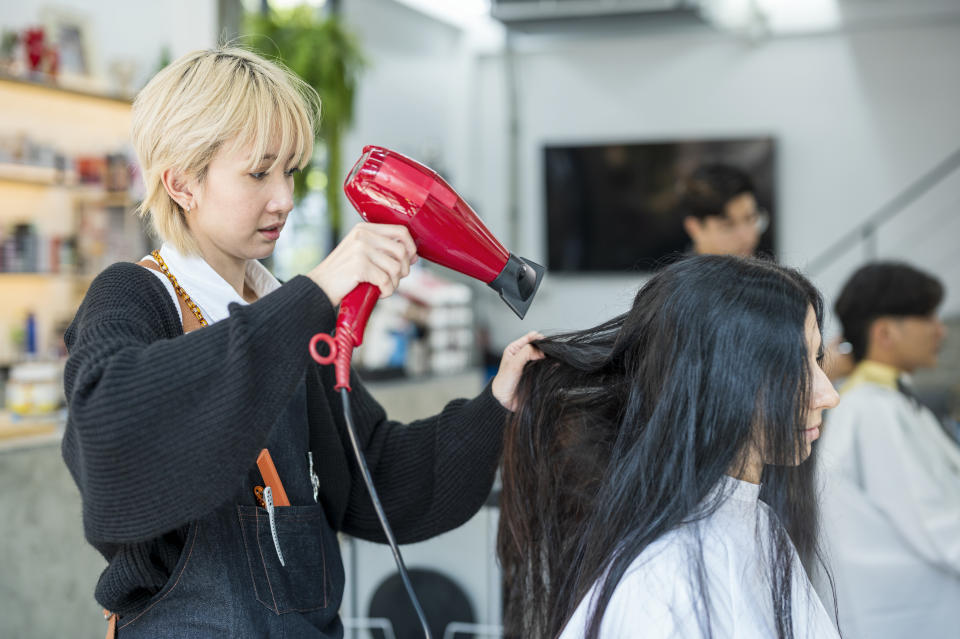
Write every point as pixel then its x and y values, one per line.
pixel 355 309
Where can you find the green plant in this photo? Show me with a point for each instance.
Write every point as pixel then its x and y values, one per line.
pixel 8 43
pixel 328 57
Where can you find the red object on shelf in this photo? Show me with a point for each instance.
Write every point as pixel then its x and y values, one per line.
pixel 40 57
pixel 34 47
pixel 91 169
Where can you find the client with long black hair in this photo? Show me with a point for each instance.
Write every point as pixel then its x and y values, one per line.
pixel 654 475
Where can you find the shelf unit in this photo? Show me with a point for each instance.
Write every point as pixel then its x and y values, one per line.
pixel 75 123
pixel 25 174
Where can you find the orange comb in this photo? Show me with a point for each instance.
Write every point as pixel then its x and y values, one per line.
pixel 271 478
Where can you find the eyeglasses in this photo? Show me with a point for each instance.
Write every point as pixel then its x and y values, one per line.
pixel 758 221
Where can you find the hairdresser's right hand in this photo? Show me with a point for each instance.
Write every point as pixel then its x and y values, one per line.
pixel 377 253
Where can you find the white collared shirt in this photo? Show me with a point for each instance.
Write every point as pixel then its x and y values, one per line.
pixel 658 597
pixel 206 287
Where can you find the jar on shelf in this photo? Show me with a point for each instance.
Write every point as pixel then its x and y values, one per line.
pixel 34 388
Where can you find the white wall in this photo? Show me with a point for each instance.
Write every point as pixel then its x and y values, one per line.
pixel 413 97
pixel 857 117
pixel 135 31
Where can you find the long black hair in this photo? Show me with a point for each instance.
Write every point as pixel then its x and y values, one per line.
pixel 624 430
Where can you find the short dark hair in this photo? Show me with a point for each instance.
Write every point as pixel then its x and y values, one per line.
pixel 883 289
pixel 707 191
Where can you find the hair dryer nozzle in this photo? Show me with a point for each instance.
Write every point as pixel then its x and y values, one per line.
pixel 517 283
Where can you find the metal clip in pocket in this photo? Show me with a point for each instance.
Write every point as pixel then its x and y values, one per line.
pixel 314 480
pixel 268 498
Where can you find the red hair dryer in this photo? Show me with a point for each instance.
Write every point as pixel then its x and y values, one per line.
pixel 388 188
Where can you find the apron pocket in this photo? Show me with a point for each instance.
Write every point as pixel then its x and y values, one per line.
pixel 166 594
pixel 307 543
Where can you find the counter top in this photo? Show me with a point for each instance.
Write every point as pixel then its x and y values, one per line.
pixel 28 432
pixel 404 399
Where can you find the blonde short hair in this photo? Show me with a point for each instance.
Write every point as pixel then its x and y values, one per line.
pixel 203 100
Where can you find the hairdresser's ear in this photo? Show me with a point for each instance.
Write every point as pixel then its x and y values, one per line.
pixel 178 188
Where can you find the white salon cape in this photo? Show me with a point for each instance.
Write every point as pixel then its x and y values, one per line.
pixel 208 290
pixel 658 596
pixel 890 512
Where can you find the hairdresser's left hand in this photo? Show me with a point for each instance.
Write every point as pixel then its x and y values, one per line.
pixel 515 357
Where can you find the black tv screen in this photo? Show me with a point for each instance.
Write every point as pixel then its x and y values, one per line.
pixel 613 207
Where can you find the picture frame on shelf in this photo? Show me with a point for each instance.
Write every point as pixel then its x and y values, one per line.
pixel 70 32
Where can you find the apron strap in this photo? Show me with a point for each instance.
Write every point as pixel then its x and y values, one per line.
pixel 190 321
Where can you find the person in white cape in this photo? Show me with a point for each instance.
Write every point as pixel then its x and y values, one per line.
pixel 890 472
pixel 657 475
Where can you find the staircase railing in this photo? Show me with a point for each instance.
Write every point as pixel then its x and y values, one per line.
pixel 866 232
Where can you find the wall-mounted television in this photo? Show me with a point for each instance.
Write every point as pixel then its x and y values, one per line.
pixel 613 207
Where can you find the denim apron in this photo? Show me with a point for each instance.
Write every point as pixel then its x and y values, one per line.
pixel 229 581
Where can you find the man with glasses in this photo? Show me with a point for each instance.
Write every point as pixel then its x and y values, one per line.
pixel 891 497
pixel 720 212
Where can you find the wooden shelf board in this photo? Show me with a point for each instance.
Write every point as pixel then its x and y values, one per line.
pixel 13 426
pixel 63 90
pixel 39 175
pixel 36 275
pixel 25 174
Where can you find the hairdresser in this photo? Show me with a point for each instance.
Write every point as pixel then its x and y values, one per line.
pixel 185 366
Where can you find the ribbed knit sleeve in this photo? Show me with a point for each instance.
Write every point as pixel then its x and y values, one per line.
pixel 432 475
pixel 162 426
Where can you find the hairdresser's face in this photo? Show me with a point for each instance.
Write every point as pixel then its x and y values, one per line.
pixel 238 213
pixel 822 395
pixel 737 232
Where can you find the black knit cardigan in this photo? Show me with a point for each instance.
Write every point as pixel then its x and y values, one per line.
pixel 155 414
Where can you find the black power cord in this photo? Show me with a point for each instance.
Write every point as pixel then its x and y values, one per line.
pixel 381 515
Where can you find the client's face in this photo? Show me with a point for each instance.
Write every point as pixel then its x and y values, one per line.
pixel 822 395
